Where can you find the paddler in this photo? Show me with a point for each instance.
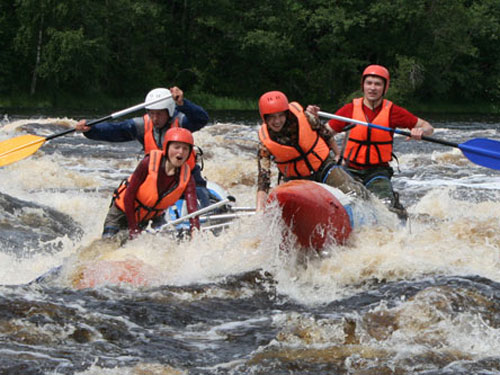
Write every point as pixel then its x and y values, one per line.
pixel 368 151
pixel 301 146
pixel 159 180
pixel 150 129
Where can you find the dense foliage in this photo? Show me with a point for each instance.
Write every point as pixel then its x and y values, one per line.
pixel 436 50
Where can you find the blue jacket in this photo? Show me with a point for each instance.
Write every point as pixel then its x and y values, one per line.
pixel 191 116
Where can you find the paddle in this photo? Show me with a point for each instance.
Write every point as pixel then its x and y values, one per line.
pixel 242 209
pixel 198 213
pixel 18 148
pixel 227 216
pixel 482 151
pixel 216 226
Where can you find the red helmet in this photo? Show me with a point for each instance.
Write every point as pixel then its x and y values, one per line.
pixel 379 71
pixel 272 102
pixel 177 134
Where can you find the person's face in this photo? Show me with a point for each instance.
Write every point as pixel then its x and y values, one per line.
pixel 178 153
pixel 373 88
pixel 159 117
pixel 276 121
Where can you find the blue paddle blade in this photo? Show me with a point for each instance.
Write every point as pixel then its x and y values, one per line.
pixel 482 151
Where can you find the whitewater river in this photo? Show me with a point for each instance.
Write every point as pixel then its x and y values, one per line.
pixel 417 299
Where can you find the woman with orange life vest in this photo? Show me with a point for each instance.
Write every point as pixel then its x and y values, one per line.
pixel 150 129
pixel 159 180
pixel 301 146
pixel 368 151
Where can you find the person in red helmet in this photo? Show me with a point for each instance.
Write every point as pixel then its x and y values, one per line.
pixel 300 145
pixel 368 151
pixel 159 180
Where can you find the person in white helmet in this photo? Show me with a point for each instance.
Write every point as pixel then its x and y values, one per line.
pixel 150 129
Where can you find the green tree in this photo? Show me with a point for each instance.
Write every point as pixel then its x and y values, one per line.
pixel 8 62
pixel 53 47
pixel 314 50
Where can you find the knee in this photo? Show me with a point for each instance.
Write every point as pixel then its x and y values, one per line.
pixel 203 196
pixel 381 187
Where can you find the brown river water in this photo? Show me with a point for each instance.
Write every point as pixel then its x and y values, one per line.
pixel 423 298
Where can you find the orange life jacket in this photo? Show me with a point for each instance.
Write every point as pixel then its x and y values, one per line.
pixel 150 142
pixel 148 203
pixel 301 160
pixel 368 146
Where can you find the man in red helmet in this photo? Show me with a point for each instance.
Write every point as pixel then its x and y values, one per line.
pixel 368 151
pixel 159 180
pixel 301 146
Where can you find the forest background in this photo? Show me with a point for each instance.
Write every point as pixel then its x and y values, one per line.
pixel 443 55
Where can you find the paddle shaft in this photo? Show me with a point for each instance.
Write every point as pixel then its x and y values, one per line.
pixel 242 209
pixel 112 116
pixel 398 131
pixel 227 216
pixel 199 212
pixel 217 226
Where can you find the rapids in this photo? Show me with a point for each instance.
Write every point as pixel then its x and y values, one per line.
pixel 417 299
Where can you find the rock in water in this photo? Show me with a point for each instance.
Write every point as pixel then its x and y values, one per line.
pixel 27 227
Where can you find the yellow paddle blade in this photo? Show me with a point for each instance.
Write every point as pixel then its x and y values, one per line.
pixel 18 148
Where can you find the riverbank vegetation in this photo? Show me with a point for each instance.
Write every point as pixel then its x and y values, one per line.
pixel 442 55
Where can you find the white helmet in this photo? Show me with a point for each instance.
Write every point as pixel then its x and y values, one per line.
pixel 167 104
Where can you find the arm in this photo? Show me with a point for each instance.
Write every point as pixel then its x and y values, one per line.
pixel 334 147
pixel 192 203
pixel 122 131
pixel 135 182
pixel 421 128
pixel 402 118
pixel 264 176
pixel 324 130
pixel 337 125
pixel 261 200
pixel 195 116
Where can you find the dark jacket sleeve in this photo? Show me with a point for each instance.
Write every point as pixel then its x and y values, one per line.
pixel 192 203
pixel 195 116
pixel 122 131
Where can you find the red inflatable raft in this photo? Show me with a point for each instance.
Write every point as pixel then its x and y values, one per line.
pixel 114 272
pixel 313 212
